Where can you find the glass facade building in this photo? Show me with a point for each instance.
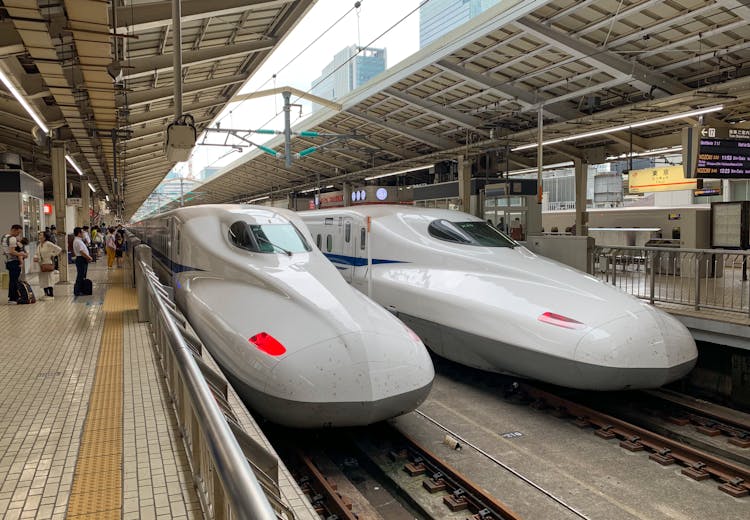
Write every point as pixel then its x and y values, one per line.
pixel 437 17
pixel 345 73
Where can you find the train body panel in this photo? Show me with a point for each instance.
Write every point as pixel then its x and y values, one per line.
pixel 335 358
pixel 502 308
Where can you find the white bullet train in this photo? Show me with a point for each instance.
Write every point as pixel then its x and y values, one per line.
pixel 477 297
pixel 299 344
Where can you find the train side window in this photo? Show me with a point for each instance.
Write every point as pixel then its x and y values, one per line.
pixel 362 238
pixel 348 232
pixel 329 243
pixel 319 241
pixel 178 241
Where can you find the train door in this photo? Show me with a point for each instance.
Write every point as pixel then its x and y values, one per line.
pixel 348 249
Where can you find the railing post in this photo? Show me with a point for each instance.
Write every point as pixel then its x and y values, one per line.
pixel 652 274
pixel 698 258
pixel 614 269
pixel 141 253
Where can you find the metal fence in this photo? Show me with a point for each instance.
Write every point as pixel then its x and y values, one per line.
pixel 234 475
pixel 714 279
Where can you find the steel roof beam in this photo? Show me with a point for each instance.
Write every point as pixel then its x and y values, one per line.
pixel 412 133
pixel 140 17
pixel 160 94
pixel 140 67
pixel 155 115
pixel 608 61
pixel 508 91
pixel 443 112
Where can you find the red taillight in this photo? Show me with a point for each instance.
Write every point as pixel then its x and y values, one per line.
pixel 561 321
pixel 268 344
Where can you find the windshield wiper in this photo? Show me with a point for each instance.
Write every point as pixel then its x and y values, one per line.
pixel 264 239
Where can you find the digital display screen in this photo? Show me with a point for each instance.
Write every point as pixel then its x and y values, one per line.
pixel 723 153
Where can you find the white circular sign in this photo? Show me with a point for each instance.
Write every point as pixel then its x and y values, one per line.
pixel 381 194
pixel 363 195
pixel 354 196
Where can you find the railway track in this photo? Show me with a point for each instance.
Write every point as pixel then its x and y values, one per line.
pixel 430 488
pixel 698 464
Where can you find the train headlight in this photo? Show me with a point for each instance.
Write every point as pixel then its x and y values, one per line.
pixel 268 344
pixel 561 321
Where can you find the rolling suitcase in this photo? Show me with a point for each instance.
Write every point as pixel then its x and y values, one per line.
pixel 87 287
pixel 25 294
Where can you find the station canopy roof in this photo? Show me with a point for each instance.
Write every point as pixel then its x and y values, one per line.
pixel 60 56
pixel 590 64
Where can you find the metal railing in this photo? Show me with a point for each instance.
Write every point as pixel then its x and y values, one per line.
pixel 235 477
pixel 715 279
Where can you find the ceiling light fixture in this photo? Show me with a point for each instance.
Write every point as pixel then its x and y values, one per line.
pixel 620 128
pixel 16 94
pixel 91 187
pixel 660 151
pixel 74 165
pixel 398 172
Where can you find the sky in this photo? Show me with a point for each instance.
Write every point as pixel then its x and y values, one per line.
pixel 362 27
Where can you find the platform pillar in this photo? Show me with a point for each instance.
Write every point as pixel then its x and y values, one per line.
pixel 85 210
pixel 347 189
pixel 59 192
pixel 464 184
pixel 582 216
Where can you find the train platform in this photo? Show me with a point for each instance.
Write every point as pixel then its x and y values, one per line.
pixel 542 466
pixel 87 428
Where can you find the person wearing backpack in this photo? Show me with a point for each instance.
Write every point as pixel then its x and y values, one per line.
pixel 13 261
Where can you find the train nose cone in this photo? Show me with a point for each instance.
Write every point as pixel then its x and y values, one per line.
pixel 644 349
pixel 353 379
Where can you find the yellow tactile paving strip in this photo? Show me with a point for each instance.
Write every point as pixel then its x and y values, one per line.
pixel 97 484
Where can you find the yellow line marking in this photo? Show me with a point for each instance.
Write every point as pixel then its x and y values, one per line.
pixel 97 484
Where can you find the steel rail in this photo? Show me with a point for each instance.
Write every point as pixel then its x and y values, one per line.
pixel 458 485
pixel 505 466
pixel 698 464
pixel 334 502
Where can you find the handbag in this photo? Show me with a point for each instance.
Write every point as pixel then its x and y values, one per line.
pixel 47 268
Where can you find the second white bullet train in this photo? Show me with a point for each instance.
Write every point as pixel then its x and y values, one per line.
pixel 479 298
pixel 301 346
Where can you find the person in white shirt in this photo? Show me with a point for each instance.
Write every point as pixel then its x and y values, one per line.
pixel 82 259
pixel 13 260
pixel 46 252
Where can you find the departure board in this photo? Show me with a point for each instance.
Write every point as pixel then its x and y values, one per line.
pixel 723 153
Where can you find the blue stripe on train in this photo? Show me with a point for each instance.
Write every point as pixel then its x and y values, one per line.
pixel 174 267
pixel 356 261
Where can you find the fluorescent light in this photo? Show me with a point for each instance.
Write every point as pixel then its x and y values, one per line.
pixel 660 151
pixel 258 199
pixel 91 187
pixel 74 165
pixel 620 128
pixel 316 188
pixel 566 164
pixel 16 94
pixel 107 197
pixel 397 173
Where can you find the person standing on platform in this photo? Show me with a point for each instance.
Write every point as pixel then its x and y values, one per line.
pixel 110 247
pixel 81 253
pixel 12 261
pixel 120 243
pixel 46 252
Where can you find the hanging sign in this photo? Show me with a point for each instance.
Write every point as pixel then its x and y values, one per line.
pixel 669 178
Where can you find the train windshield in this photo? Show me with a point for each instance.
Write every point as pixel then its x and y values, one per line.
pixel 268 238
pixel 469 233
